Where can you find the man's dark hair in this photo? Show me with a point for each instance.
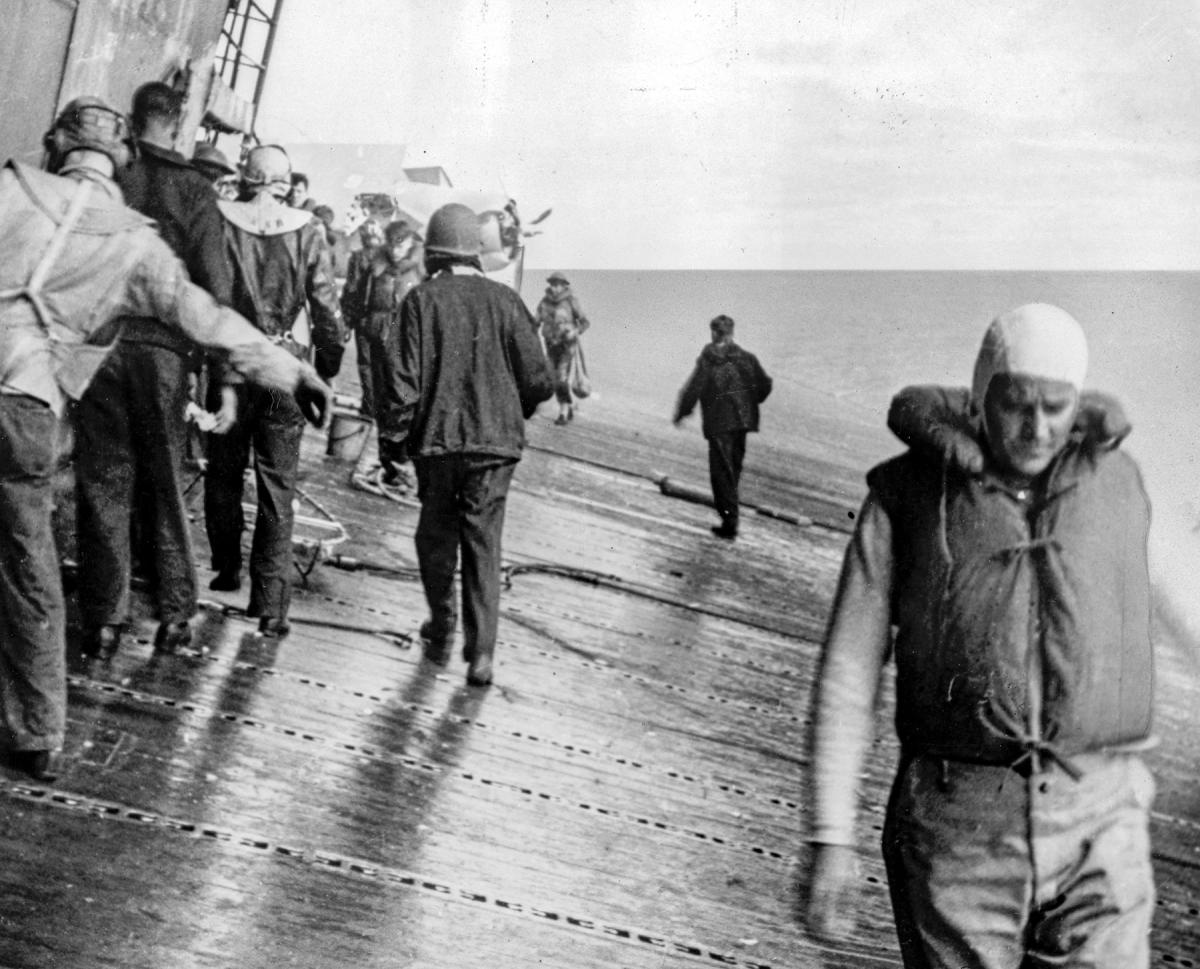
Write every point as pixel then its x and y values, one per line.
pixel 299 178
pixel 155 100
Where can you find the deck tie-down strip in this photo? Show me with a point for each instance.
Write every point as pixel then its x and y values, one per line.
pixel 735 788
pixel 404 642
pixel 352 867
pixel 413 763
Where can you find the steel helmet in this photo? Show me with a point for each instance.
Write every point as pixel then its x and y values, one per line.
pixel 87 122
pixel 268 168
pixel 210 160
pixel 453 231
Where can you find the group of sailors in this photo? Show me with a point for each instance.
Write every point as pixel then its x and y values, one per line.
pixel 133 279
pixel 1001 561
pixel 121 271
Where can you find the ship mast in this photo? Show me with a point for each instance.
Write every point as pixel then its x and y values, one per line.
pixel 244 49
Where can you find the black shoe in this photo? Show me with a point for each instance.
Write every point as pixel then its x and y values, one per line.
pixel 171 636
pixel 725 531
pixel 272 627
pixel 561 420
pixel 434 648
pixel 39 764
pixel 479 673
pixel 102 642
pixel 226 580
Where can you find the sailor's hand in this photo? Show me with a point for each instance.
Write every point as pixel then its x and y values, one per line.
pixel 1101 419
pixel 959 448
pixel 825 889
pixel 314 397
pixel 226 415
pixel 938 419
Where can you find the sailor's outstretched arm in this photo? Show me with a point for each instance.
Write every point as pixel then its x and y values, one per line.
pixel 160 289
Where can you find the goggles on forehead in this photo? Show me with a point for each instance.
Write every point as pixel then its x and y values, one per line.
pixel 104 121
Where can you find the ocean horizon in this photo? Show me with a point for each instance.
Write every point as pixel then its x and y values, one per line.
pixel 856 337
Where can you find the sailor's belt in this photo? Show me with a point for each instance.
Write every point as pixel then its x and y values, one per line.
pixel 1024 758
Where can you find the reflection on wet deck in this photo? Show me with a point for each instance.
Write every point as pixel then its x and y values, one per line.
pixel 629 793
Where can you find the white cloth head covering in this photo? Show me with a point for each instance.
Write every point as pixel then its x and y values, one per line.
pixel 1038 340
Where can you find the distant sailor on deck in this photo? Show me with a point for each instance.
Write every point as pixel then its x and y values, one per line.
pixel 562 322
pixel 465 371
pixel 1008 550
pixel 729 384
pixel 372 311
pixel 364 243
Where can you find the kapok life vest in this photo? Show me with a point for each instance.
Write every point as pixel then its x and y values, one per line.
pixel 982 578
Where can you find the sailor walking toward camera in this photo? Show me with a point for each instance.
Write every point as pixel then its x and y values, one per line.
pixel 562 323
pixel 1001 565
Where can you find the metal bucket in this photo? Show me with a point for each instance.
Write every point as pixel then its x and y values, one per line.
pixel 347 435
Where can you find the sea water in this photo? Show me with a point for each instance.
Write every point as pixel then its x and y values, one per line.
pixel 855 338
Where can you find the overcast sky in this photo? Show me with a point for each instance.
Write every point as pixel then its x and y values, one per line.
pixel 779 134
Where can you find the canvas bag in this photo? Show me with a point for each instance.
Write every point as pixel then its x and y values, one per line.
pixel 580 383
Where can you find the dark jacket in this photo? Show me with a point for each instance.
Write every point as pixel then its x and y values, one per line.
pixel 466 369
pixel 162 185
pixel 561 318
pixel 281 266
pixel 986 573
pixel 379 286
pixel 729 384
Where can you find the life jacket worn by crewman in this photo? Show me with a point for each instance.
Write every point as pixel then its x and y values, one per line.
pixel 281 269
pixel 1023 618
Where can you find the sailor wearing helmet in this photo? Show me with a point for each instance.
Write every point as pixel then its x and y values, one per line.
pixel 73 258
pixel 282 267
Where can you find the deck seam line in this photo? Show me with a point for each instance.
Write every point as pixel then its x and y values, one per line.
pixel 416 764
pixel 338 863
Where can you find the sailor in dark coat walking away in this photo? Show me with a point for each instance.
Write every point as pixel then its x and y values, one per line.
pixel 729 384
pixel 464 372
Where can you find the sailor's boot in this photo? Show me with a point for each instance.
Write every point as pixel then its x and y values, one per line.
pixel 479 669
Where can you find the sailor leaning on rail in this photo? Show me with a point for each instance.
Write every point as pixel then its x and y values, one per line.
pixel 73 258
pixel 1007 548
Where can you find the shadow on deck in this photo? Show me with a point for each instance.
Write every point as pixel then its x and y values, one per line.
pixel 629 793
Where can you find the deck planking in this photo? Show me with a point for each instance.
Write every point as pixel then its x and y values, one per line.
pixel 629 793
